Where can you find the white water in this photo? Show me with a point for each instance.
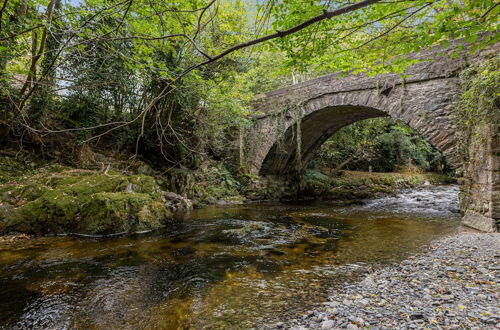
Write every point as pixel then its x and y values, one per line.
pixel 430 201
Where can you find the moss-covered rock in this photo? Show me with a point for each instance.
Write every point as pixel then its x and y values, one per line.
pixel 81 201
pixel 12 167
pixel 109 212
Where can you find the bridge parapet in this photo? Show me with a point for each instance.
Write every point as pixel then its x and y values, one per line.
pixel 434 64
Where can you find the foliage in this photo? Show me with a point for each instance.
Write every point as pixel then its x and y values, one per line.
pixel 143 74
pixel 375 38
pixel 480 100
pixel 384 144
pixel 115 66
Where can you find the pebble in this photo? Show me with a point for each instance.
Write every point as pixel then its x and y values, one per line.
pixel 452 284
pixel 327 324
pixel 333 311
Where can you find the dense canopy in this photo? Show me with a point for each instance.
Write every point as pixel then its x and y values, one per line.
pixel 176 77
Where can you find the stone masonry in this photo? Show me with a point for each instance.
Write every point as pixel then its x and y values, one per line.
pixel 480 191
pixel 424 100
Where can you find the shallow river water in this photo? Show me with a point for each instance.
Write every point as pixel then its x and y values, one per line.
pixel 217 268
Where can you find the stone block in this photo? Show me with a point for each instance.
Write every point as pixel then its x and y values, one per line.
pixel 480 222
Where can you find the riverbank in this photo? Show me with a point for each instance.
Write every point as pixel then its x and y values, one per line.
pixel 358 185
pixel 230 267
pixel 452 284
pixel 115 194
pixel 40 197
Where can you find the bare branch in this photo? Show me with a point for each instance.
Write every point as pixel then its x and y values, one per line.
pixel 483 16
pixel 297 28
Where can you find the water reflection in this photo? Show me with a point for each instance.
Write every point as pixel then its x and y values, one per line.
pixel 220 267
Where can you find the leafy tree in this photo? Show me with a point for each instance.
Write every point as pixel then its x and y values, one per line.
pixel 376 38
pixel 383 144
pixel 168 78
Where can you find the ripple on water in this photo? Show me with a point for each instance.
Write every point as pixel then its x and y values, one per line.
pixel 229 267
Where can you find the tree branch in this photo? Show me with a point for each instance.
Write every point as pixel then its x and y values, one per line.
pixel 4 5
pixel 297 28
pixel 279 34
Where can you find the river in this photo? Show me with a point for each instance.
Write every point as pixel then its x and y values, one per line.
pixel 218 267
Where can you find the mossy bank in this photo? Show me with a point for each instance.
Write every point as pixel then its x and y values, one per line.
pixel 355 185
pixel 58 200
pixel 106 197
pixel 344 188
pixel 53 199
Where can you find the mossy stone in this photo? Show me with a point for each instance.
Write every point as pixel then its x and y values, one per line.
pixel 82 201
pixel 111 212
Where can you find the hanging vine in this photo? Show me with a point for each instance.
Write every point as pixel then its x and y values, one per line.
pixel 479 103
pixel 298 136
pixel 401 98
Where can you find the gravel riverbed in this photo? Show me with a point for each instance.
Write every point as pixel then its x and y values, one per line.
pixel 454 283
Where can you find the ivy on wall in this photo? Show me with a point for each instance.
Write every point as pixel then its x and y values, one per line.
pixel 480 100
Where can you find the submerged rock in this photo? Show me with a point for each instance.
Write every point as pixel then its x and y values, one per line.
pixel 247 229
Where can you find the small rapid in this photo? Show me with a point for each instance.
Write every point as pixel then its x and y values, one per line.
pixel 425 201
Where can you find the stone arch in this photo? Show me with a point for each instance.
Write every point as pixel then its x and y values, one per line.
pixel 423 106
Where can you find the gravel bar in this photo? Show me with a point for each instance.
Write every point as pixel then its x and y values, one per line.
pixel 452 284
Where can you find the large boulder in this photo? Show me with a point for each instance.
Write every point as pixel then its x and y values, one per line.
pixel 176 202
pixel 82 201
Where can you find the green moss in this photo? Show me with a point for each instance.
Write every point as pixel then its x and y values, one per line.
pixel 6 190
pixel 29 191
pixel 82 201
pixel 55 181
pixel 122 212
pixel 12 168
pixel 88 185
pixel 142 184
pixel 53 212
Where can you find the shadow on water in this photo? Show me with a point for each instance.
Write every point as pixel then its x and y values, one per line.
pixel 219 267
pixel 14 298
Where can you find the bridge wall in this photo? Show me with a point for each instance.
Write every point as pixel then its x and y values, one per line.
pixel 424 101
pixel 480 191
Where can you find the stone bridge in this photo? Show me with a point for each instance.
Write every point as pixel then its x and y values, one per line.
pixel 424 100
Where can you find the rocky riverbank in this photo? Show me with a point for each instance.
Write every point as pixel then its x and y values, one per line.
pixel 453 284
pixel 53 199
pixel 113 194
